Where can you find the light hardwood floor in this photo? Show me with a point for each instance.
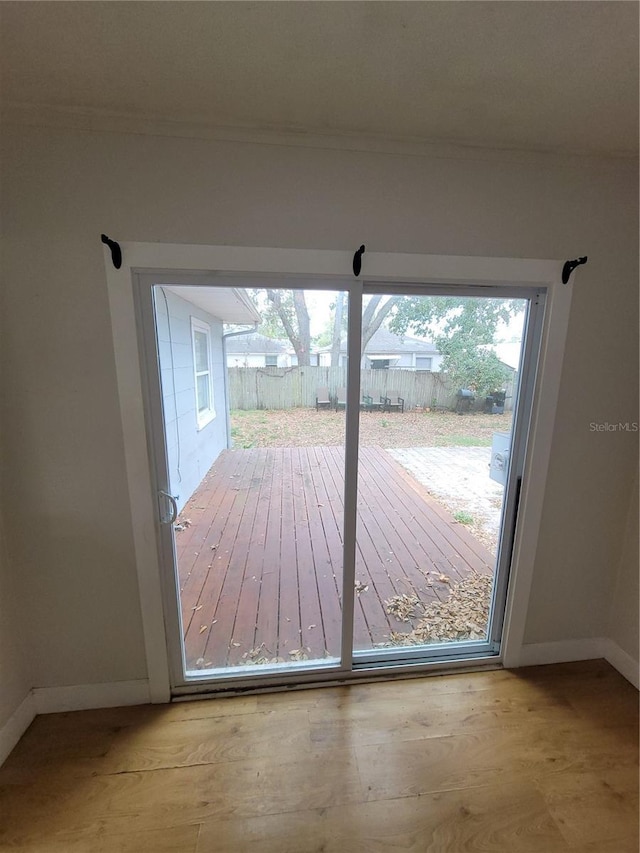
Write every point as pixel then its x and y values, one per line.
pixel 541 760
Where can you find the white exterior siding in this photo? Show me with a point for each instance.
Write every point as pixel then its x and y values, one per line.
pixel 190 451
pixel 407 361
pixel 259 360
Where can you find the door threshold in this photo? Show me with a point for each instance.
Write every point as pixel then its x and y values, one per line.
pixel 362 675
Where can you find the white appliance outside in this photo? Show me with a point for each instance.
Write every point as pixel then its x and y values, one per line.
pixel 500 449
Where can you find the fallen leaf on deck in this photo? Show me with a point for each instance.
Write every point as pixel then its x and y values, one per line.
pixel 259 655
pixel 203 628
pixel 463 616
pixel 403 607
pixel 299 654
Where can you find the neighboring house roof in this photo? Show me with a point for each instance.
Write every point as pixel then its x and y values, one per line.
pixel 256 344
pixel 384 341
pixel 509 354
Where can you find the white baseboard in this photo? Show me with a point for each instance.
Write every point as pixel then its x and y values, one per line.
pixel 622 661
pixel 16 726
pixel 81 697
pixel 562 651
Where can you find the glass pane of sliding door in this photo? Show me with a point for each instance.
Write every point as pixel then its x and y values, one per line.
pixel 254 422
pixel 439 386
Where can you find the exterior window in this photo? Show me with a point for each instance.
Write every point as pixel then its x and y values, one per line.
pixel 423 362
pixel 271 360
pixel 201 337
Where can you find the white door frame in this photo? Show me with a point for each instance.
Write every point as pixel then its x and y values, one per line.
pixel 383 267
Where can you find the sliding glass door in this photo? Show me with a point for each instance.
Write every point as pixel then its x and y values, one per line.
pixel 337 469
pixel 253 470
pixel 440 387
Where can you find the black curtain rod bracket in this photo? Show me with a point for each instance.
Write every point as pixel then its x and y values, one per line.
pixel 357 261
pixel 569 267
pixel 116 251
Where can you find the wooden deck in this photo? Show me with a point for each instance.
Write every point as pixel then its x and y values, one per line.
pixel 260 560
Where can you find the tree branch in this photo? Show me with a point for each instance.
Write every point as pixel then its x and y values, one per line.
pixel 276 300
pixel 371 322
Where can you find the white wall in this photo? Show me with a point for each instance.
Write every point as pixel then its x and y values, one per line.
pixel 68 519
pixel 623 617
pixel 15 672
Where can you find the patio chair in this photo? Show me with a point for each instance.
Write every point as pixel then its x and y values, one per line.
pixel 323 400
pixel 393 401
pixel 341 399
pixel 368 403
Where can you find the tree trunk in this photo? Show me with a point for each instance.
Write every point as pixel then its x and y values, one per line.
pixel 275 298
pixel 337 331
pixel 304 329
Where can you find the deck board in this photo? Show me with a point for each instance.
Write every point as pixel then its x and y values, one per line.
pixel 309 598
pixel 260 564
pixel 289 625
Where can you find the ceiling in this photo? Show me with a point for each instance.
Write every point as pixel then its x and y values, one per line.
pixel 551 76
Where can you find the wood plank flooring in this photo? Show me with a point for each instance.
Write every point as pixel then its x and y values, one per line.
pixel 540 760
pixel 260 562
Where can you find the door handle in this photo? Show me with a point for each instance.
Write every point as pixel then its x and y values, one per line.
pixel 172 503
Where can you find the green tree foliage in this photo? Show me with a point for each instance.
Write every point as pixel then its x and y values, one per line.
pixel 463 330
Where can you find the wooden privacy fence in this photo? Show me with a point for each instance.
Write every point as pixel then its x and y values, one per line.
pixel 293 387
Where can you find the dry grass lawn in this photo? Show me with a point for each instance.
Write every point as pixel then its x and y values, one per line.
pixel 309 428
